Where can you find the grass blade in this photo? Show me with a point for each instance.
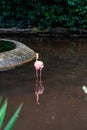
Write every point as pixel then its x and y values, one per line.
pixel 12 121
pixel 3 112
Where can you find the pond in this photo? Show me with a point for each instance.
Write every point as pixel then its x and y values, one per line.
pixel 63 104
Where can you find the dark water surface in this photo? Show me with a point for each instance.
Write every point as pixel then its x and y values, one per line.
pixel 63 104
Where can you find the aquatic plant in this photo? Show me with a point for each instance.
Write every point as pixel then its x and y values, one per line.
pixel 13 119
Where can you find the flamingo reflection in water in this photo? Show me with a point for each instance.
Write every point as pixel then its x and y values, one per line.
pixel 39 89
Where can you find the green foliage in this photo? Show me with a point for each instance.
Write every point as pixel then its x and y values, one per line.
pixel 2 112
pixel 13 119
pixel 43 14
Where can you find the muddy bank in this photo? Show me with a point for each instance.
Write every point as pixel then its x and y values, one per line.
pixel 56 32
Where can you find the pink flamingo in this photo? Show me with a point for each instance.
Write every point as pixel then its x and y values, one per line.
pixel 39 65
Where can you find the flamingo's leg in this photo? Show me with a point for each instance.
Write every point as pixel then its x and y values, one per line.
pixel 37 74
pixel 40 75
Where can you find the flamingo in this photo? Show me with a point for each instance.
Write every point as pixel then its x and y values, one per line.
pixel 39 65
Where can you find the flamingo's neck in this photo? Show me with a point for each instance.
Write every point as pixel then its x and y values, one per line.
pixel 37 56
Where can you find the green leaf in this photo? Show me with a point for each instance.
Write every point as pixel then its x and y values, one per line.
pixel 12 121
pixel 2 112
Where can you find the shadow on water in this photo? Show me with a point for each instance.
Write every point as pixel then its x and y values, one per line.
pixel 63 105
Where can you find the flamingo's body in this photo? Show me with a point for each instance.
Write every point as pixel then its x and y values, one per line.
pixel 39 65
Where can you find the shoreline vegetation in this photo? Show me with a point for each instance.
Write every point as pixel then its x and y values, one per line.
pixel 55 18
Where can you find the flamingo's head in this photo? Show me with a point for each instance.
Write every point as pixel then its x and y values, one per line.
pixel 37 56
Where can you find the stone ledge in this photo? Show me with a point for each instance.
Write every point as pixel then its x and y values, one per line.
pixel 16 57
